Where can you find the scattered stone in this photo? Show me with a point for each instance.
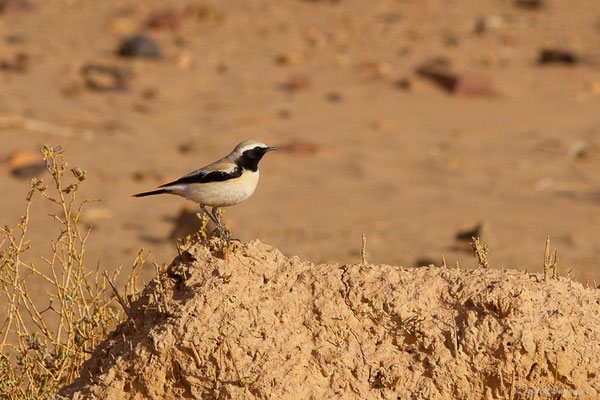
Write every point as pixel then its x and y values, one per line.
pixel 284 114
pixel 375 69
pixel 149 93
pixel 489 23
pixel 532 4
pixel 17 64
pixel 222 68
pixel 106 77
pixel 26 164
pixel 300 147
pixel 481 230
pixel 139 46
pixel 403 84
pixel 141 108
pixel 296 82
pixel 14 5
pixel 334 97
pixel 188 147
pixel 205 14
pixel 165 19
pixel 460 84
pixel 287 59
pixel 557 56
pixel 578 150
pixel 15 39
pixel 425 262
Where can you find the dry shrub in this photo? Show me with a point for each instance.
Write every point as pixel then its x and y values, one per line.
pixel 44 339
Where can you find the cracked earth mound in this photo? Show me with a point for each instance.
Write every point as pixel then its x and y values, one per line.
pixel 262 325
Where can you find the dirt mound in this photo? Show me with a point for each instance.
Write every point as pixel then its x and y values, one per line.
pixel 262 325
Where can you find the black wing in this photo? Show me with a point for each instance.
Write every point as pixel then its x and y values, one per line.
pixel 203 176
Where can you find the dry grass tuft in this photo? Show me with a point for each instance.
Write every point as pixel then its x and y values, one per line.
pixel 44 339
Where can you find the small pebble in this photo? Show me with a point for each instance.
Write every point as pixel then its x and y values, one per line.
pixel 403 84
pixel 334 97
pixel 296 82
pixel 287 59
pixel 557 56
pixel 165 19
pixel 284 114
pixel 14 5
pixel 18 63
pixel 482 230
pixel 26 164
pixel 463 84
pixel 532 4
pixel 139 46
pixel 106 77
pixel 578 150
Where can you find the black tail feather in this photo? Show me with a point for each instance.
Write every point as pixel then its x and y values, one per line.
pixel 153 192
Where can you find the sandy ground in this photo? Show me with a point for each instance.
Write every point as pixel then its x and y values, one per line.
pixel 260 325
pixel 407 163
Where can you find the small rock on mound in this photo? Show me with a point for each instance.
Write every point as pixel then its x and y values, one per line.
pixel 262 325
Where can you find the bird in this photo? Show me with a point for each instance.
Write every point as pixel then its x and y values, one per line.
pixel 226 182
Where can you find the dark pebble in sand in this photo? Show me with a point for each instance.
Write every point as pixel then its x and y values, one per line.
pixel 139 46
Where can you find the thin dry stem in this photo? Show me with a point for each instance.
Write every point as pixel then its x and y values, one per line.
pixel 363 249
pixel 43 341
pixel 481 252
pixel 550 261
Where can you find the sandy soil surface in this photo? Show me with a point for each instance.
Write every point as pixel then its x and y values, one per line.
pixel 372 146
pixel 260 325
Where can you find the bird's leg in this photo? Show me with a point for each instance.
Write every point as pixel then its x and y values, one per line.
pixel 221 229
pixel 214 221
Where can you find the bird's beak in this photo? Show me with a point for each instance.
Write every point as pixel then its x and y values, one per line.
pixel 272 148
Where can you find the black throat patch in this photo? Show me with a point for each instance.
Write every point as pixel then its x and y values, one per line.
pixel 250 158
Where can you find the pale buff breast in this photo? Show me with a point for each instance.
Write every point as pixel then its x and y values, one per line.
pixel 223 194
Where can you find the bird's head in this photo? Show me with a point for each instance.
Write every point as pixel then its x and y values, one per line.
pixel 249 152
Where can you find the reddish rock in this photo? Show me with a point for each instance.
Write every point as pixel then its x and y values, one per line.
pixel 26 164
pixel 458 83
pixel 165 19
pixel 296 82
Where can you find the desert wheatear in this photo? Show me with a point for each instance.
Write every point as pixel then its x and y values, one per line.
pixel 226 182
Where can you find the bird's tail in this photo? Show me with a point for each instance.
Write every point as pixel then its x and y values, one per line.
pixel 153 192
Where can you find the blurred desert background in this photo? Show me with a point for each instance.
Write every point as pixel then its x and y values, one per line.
pixel 412 121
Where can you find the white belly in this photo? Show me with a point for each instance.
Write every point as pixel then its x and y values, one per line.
pixel 222 194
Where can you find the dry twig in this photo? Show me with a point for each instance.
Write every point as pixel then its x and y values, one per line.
pixel 481 252
pixel 550 261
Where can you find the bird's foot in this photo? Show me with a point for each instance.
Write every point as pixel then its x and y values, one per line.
pixel 225 237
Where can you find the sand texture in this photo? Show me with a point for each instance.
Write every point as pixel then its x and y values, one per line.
pixel 265 326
